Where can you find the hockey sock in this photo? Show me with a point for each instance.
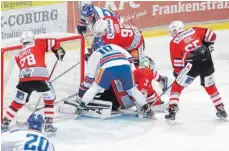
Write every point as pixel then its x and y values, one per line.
pixel 214 95
pixel 12 110
pixel 49 110
pixel 175 93
pixel 152 97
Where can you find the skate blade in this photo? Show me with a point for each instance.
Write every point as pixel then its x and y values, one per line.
pixel 50 134
pixel 171 122
pixel 223 119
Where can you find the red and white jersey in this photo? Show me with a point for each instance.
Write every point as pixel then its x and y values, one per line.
pixel 123 35
pixel 31 59
pixel 186 42
pixel 144 77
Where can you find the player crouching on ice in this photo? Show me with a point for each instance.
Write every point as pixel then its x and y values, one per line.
pixel 34 76
pixel 108 63
pixel 130 38
pixel 190 52
pixel 22 139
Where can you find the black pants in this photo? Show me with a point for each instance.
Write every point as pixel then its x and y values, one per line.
pixel 30 86
pixel 202 64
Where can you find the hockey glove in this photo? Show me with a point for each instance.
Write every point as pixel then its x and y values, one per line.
pixel 210 45
pixel 60 53
pixel 81 29
pixel 87 55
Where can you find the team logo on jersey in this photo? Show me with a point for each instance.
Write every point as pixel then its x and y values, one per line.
pixel 110 32
pixel 27 73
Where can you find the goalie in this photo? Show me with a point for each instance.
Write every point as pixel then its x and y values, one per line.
pixel 108 63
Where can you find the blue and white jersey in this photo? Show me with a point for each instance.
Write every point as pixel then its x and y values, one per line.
pixel 25 140
pixel 99 14
pixel 106 57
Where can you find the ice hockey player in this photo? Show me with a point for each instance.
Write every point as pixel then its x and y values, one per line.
pixel 126 36
pixel 27 139
pixel 190 52
pixel 33 76
pixel 108 63
pixel 89 16
pixel 143 76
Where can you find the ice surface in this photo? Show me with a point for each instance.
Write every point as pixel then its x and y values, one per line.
pixel 197 127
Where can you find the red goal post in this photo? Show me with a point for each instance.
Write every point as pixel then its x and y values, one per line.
pixel 70 43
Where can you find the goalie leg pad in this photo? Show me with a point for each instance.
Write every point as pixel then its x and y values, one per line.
pixel 137 95
pixel 99 109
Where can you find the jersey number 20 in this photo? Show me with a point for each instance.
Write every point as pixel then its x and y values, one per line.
pixel 32 143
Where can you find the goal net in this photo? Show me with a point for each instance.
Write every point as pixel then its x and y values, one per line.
pixel 65 79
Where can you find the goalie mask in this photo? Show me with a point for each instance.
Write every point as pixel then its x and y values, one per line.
pixel 147 62
pixel 175 28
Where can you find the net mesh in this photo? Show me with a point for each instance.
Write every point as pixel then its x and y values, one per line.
pixel 65 79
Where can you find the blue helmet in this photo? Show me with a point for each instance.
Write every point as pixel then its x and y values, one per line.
pixel 87 10
pixel 36 122
pixel 97 43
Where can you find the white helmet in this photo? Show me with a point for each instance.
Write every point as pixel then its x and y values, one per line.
pixel 27 36
pixel 100 28
pixel 175 27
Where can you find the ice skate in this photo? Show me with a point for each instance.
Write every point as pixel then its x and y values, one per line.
pixel 145 111
pixel 221 113
pixel 171 116
pixel 81 107
pixel 50 130
pixel 5 125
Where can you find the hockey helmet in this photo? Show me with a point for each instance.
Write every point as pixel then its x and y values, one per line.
pixel 35 121
pixel 175 28
pixel 27 36
pixel 147 62
pixel 97 43
pixel 100 28
pixel 87 10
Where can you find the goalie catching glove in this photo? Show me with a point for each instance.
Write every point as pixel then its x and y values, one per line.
pixel 60 53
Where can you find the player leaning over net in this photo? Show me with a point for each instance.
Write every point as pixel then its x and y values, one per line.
pixel 128 37
pixel 190 52
pixel 90 14
pixel 27 139
pixel 108 63
pixel 34 76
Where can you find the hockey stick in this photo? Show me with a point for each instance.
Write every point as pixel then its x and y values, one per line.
pixel 20 123
pixel 85 38
pixel 34 109
pixel 57 77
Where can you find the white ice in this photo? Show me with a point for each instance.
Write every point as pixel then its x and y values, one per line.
pixel 197 128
